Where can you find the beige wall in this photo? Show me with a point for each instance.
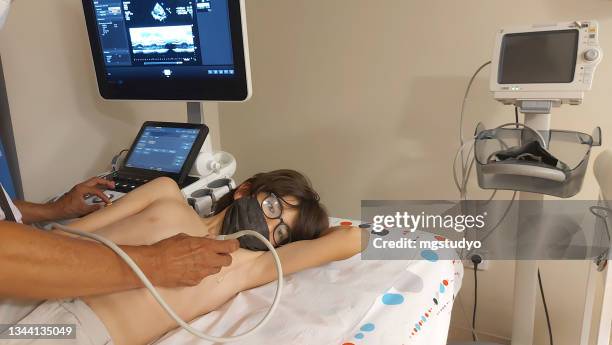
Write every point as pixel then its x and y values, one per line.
pixel 364 97
pixel 64 131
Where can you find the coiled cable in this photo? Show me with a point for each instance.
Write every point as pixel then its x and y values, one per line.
pixel 147 283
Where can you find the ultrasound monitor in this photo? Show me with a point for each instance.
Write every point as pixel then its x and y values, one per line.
pixel 193 50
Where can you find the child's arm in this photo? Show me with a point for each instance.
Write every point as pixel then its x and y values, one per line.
pixel 337 244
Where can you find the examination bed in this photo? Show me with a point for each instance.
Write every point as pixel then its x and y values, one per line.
pixel 346 302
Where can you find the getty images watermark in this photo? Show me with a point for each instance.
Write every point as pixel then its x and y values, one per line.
pixel 405 221
pixel 496 229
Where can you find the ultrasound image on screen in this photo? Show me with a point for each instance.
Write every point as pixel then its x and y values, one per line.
pixel 168 49
pixel 163 44
pixel 538 57
pixel 157 12
pixel 162 32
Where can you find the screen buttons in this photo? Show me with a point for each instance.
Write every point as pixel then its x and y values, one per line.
pixel 221 71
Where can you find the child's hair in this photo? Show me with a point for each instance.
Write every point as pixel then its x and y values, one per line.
pixel 312 217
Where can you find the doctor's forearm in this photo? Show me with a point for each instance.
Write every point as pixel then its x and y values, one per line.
pixel 33 213
pixel 40 265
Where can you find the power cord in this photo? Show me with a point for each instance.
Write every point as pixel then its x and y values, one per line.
pixel 476 260
pixel 548 323
pixel 516 116
pixel 466 96
pixel 465 165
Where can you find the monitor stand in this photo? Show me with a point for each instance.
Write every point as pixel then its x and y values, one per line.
pixel 195 114
pixel 526 271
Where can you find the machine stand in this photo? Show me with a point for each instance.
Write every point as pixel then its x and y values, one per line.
pixel 526 272
pixel 195 114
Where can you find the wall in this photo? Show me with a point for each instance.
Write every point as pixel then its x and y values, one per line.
pixel 364 97
pixel 65 132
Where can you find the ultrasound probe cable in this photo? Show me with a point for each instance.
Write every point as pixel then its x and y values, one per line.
pixel 147 283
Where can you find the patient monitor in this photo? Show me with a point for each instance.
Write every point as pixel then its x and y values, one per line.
pixel 541 66
pixel 535 68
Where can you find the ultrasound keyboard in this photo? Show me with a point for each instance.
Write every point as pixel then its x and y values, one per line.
pixel 125 183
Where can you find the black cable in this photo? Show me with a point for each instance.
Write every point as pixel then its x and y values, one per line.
pixel 476 260
pixel 550 333
pixel 516 116
pixel 475 301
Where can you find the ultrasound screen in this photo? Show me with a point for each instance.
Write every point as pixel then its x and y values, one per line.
pixel 162 149
pixel 165 38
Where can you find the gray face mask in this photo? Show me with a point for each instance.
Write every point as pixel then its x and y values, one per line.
pixel 246 214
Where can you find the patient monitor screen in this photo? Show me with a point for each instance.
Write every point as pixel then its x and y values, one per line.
pixel 162 148
pixel 167 49
pixel 538 57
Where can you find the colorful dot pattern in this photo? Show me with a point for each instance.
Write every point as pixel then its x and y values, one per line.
pixel 367 328
pixel 420 324
pixel 429 255
pixel 394 299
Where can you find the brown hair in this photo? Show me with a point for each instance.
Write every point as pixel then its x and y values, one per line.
pixel 312 217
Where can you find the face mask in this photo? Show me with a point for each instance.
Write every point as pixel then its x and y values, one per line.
pixel 246 214
pixel 5 5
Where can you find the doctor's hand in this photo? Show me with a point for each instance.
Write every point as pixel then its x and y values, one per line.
pixel 72 204
pixel 184 260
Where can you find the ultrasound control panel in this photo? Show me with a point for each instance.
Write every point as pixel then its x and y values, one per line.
pixel 162 148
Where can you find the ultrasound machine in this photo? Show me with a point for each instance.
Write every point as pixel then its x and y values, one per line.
pixel 160 149
pixel 172 50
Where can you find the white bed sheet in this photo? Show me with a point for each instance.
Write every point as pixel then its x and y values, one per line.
pixel 346 302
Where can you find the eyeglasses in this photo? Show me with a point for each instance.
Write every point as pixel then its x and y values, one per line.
pixel 272 207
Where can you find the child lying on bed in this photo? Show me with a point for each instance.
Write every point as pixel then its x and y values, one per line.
pixel 282 201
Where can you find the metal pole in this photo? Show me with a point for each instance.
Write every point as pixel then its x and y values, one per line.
pixel 195 114
pixel 526 271
pixel 605 323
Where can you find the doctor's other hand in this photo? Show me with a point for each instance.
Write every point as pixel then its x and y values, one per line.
pixel 184 260
pixel 72 204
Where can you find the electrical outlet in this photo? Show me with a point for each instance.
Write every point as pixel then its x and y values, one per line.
pixel 484 265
